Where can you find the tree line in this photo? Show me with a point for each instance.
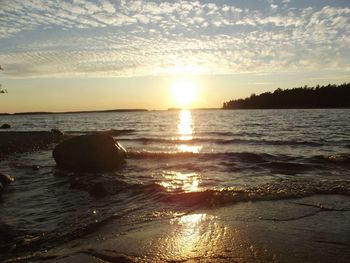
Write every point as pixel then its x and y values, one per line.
pixel 329 96
pixel 1 89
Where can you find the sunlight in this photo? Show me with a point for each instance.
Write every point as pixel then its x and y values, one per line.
pixel 185 130
pixel 191 220
pixel 193 234
pixel 187 182
pixel 184 126
pixel 189 148
pixel 184 92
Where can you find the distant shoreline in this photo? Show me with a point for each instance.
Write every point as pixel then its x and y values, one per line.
pixel 170 109
pixel 97 111
pixel 71 112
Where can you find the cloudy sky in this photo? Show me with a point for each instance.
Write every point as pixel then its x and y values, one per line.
pixel 95 54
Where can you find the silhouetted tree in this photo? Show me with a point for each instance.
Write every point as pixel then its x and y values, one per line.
pixel 330 96
pixel 1 89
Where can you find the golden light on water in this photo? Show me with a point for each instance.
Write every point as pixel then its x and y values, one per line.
pixel 191 220
pixel 187 182
pixel 185 130
pixel 192 234
pixel 189 148
pixel 184 92
pixel 185 125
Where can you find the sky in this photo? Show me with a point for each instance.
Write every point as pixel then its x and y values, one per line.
pixel 105 54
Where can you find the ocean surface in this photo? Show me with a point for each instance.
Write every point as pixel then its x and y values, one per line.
pixel 178 161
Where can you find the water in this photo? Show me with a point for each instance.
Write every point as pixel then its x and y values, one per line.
pixel 178 161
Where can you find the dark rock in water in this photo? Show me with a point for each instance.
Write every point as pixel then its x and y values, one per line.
pixel 5 126
pixel 5 179
pixel 93 152
pixel 56 131
pixel 35 167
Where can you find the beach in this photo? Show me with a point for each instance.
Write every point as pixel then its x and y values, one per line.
pixel 197 186
pixel 313 229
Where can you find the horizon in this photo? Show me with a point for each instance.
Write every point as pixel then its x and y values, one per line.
pixel 155 55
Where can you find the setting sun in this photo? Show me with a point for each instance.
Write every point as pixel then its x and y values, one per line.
pixel 184 92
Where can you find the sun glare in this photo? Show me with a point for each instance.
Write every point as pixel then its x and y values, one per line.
pixel 184 92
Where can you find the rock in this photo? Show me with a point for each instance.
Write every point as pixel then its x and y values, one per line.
pixel 5 179
pixel 93 152
pixel 56 131
pixel 35 167
pixel 5 126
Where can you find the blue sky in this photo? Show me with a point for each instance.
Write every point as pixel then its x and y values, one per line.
pixel 48 43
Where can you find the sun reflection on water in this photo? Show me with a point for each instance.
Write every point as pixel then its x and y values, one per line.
pixel 187 182
pixel 185 126
pixel 192 234
pixel 185 131
pixel 191 220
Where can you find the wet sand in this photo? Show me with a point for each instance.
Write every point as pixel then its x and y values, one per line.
pixel 310 229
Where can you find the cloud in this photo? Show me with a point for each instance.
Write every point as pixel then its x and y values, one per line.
pixel 127 38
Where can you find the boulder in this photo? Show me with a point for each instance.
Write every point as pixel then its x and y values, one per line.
pixel 5 179
pixel 90 153
pixel 5 126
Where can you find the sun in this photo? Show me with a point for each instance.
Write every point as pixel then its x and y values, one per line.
pixel 184 92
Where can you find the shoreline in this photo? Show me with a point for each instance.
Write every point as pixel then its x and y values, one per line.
pixel 310 229
pixel 70 112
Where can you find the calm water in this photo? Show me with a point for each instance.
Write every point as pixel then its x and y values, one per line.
pixel 178 161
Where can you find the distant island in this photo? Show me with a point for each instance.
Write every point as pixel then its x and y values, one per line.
pixel 330 96
pixel 70 112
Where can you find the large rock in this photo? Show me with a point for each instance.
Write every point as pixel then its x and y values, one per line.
pixel 5 126
pixel 94 152
pixel 4 180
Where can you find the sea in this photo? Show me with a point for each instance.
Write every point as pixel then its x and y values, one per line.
pixel 178 161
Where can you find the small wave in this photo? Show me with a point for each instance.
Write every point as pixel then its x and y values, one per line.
pixel 239 156
pixel 218 133
pixel 266 192
pixel 222 141
pixel 334 159
pixel 270 161
pixel 112 132
pixel 288 167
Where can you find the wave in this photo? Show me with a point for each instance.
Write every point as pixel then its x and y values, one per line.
pixel 333 159
pixel 276 160
pixel 247 156
pixel 145 140
pixel 218 133
pixel 283 189
pixel 265 192
pixel 112 132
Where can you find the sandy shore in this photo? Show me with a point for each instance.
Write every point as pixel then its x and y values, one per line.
pixel 20 142
pixel 311 229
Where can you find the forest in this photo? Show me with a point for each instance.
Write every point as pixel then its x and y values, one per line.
pixel 329 96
